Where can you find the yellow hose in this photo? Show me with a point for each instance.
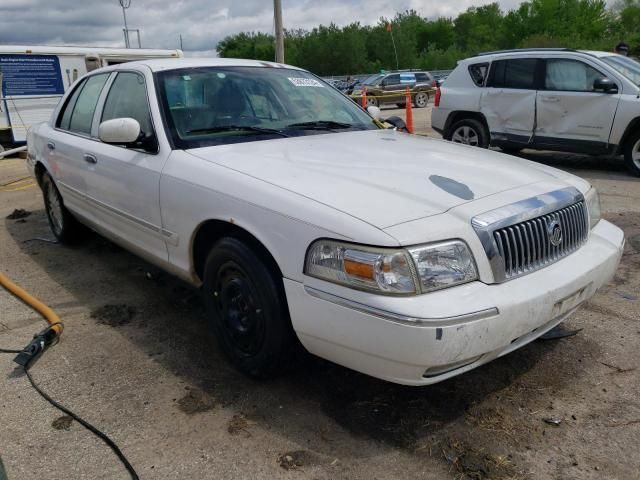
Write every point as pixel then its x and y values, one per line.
pixel 48 314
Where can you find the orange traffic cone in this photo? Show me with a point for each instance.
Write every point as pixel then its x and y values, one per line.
pixel 364 98
pixel 409 112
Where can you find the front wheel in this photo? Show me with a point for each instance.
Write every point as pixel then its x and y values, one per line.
pixel 246 305
pixel 372 102
pixel 63 224
pixel 421 99
pixel 632 154
pixel 469 132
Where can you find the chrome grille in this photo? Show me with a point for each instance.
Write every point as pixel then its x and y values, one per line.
pixel 527 246
pixel 517 237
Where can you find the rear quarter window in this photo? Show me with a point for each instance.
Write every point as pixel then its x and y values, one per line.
pixel 479 72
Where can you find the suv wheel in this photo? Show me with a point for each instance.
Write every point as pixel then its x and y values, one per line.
pixel 469 132
pixel 632 154
pixel 421 99
pixel 246 306
pixel 372 102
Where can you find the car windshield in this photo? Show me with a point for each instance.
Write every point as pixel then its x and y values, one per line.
pixel 373 79
pixel 218 105
pixel 626 66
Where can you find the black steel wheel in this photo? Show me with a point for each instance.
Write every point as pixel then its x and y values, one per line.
pixel 246 306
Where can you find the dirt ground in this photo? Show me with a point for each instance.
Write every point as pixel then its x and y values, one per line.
pixel 137 360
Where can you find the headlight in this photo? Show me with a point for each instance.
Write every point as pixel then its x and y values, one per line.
pixel 392 271
pixel 593 206
pixel 444 264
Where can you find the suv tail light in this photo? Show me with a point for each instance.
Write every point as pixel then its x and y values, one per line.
pixel 436 102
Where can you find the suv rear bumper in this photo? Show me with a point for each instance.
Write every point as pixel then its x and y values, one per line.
pixel 498 318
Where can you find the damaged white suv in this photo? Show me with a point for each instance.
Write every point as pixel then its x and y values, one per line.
pixel 301 219
pixel 545 99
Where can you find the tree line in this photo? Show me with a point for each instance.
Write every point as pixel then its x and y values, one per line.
pixel 437 44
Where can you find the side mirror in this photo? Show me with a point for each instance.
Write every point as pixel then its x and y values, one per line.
pixel 605 85
pixel 374 112
pixel 119 131
pixel 398 123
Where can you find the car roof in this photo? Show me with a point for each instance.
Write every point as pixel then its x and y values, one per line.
pixel 534 51
pixel 162 64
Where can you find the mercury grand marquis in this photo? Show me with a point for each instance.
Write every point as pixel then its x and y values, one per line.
pixel 303 220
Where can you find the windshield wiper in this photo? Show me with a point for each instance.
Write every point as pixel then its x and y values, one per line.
pixel 321 125
pixel 239 128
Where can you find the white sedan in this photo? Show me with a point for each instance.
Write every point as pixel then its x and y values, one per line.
pixel 301 219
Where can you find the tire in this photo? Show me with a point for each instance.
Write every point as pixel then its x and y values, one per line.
pixel 372 102
pixel 246 307
pixel 63 224
pixel 632 154
pixel 421 99
pixel 469 132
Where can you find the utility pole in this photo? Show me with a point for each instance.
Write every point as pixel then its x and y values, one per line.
pixel 277 16
pixel 180 41
pixel 126 4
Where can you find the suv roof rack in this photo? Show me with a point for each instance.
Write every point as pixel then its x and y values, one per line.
pixel 519 50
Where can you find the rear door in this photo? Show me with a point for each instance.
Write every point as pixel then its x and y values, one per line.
pixel 571 114
pixel 509 100
pixel 70 137
pixel 124 184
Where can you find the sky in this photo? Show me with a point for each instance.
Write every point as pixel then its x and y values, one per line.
pixel 202 23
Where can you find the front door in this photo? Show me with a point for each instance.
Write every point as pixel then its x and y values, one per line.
pixel 508 102
pixel 571 114
pixel 124 183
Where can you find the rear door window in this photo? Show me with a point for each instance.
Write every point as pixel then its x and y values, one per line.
pixel 64 119
pixel 85 105
pixel 517 73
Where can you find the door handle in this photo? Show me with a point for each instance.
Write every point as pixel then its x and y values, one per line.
pixel 51 145
pixel 550 99
pixel 89 158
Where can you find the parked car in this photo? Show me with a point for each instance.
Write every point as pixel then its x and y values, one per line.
pixel 545 99
pixel 403 257
pixel 391 87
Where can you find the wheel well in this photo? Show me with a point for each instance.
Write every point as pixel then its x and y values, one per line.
pixel 40 170
pixel 462 115
pixel 632 128
pixel 213 230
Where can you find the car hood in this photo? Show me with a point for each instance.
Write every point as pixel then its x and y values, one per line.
pixel 382 177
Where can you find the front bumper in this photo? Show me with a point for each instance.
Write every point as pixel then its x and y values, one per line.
pixel 429 338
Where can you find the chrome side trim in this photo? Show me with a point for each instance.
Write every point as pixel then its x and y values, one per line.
pixel 170 237
pixel 486 223
pixel 402 319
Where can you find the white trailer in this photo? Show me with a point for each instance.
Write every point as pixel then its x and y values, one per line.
pixel 34 78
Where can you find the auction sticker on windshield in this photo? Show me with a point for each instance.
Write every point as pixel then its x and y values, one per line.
pixel 305 82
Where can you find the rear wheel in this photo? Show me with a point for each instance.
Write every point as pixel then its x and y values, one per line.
pixel 421 99
pixel 63 224
pixel 246 305
pixel 632 154
pixel 469 132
